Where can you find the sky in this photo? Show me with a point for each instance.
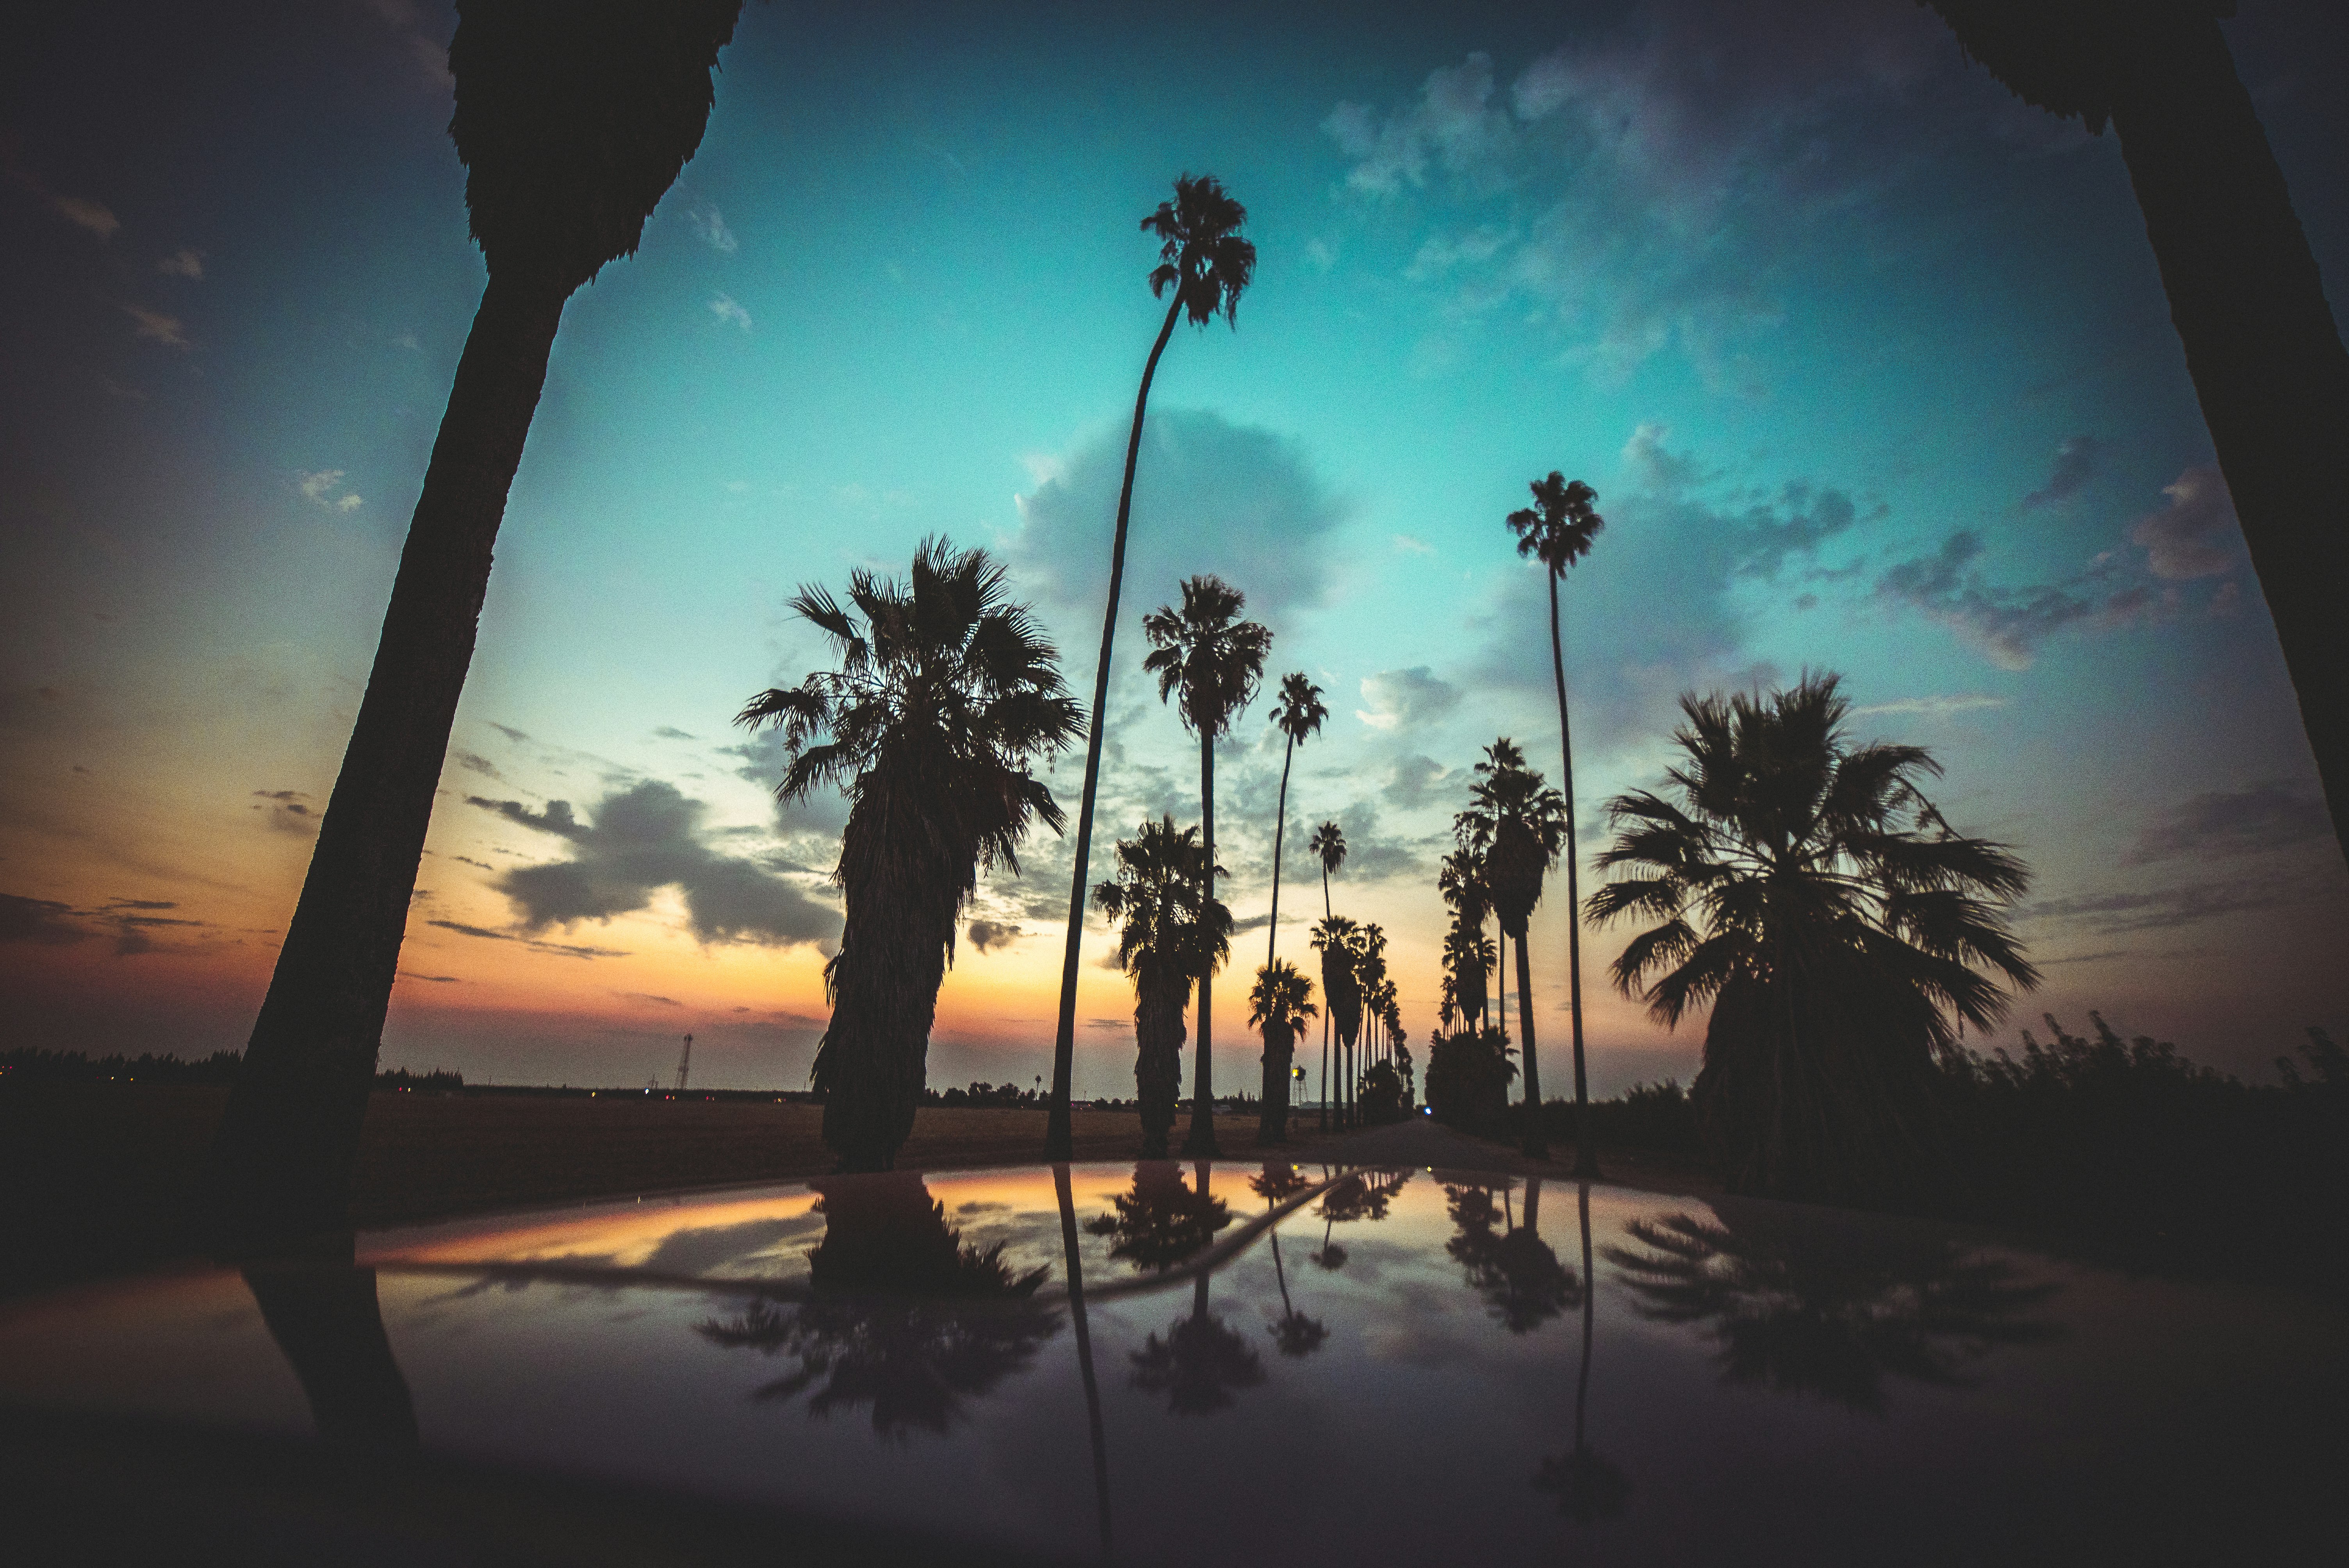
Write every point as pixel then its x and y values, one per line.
pixel 1868 362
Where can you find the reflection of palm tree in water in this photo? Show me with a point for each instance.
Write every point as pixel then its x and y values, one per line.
pixel 1295 1333
pixel 1359 1196
pixel 325 1317
pixel 1802 1305
pixel 1085 1351
pixel 1200 1361
pixel 1588 1487
pixel 907 1316
pixel 1514 1271
pixel 1159 1221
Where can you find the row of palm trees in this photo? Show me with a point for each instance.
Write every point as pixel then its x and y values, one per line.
pixel 570 136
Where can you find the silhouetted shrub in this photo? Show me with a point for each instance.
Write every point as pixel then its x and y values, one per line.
pixel 1384 1098
pixel 1468 1076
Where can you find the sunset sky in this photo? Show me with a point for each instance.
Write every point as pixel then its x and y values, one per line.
pixel 1869 363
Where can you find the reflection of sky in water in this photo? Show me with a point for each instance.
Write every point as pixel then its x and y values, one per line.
pixel 1788 1385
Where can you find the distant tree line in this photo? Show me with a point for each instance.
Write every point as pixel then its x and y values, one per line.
pixel 219 1067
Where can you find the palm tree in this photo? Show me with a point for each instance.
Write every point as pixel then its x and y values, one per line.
pixel 1281 1002
pixel 1588 1485
pixel 945 693
pixel 1329 846
pixel 1807 889
pixel 1210 662
pixel 1468 962
pixel 1163 943
pixel 1468 953
pixel 571 121
pixel 1338 940
pixel 1516 828
pixel 1557 530
pixel 1203 258
pixel 2244 292
pixel 1300 712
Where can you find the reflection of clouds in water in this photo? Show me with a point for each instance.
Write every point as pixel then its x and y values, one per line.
pixel 701 1250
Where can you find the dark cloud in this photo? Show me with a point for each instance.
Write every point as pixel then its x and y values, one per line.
pixel 2194 535
pixel 565 949
pixel 474 762
pixel 1797 524
pixel 2163 908
pixel 2006 625
pixel 1238 500
pixel 669 732
pixel 42 922
pixel 649 996
pixel 1412 782
pixel 2217 823
pixel 987 935
pixel 435 979
pixel 2075 465
pixel 288 811
pixel 511 733
pixel 641 839
pixel 1406 700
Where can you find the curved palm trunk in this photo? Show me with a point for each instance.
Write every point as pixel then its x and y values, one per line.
pixel 872 1060
pixel 1085 1351
pixel 1585 1162
pixel 1328 1019
pixel 280 1166
pixel 2261 345
pixel 1201 1143
pixel 326 1318
pixel 1057 1134
pixel 1536 1140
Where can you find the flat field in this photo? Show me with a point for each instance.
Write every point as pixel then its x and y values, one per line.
pixel 96 1178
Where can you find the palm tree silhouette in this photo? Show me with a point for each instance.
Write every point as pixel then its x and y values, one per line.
pixel 2244 292
pixel 1468 952
pixel 572 122
pixel 1300 712
pixel 1809 891
pixel 1557 530
pixel 1201 1361
pixel 893 1323
pixel 1516 828
pixel 1295 1334
pixel 1203 259
pixel 1522 1282
pixel 1279 1005
pixel 1210 662
pixel 1078 1320
pixel 1329 846
pixel 1163 943
pixel 945 694
pixel 1337 938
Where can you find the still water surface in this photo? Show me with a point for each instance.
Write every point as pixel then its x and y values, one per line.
pixel 1179 1364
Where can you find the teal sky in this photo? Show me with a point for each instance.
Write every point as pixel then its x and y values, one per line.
pixel 1869 363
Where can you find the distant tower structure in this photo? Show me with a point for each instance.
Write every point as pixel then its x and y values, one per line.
pixel 685 1064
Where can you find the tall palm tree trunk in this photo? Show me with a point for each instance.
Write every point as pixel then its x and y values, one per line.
pixel 1536 1140
pixel 1327 1012
pixel 1201 1143
pixel 1280 828
pixel 1057 1133
pixel 1585 1162
pixel 2261 344
pixel 281 1162
pixel 1085 1351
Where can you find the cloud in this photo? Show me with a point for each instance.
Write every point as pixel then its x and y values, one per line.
pixel 155 326
pixel 1410 546
pixel 639 840
pixel 85 213
pixel 39 921
pixel 425 58
pixel 2166 908
pixel 649 996
pixel 987 935
pixel 669 732
pixel 1407 699
pixel 2226 823
pixel 723 306
pixel 184 263
pixel 2075 464
pixel 288 812
pixel 711 225
pixel 1412 783
pixel 2006 626
pixel 1651 466
pixel 1930 706
pixel 1768 539
pixel 435 979
pixel 565 949
pixel 320 487
pixel 2194 535
pixel 1238 500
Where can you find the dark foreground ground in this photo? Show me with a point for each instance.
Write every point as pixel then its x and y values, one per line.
pixel 101 1178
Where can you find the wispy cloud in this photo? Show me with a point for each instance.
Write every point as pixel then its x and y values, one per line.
pixel 2075 464
pixel 2194 534
pixel 1411 699
pixel 156 327
pixel 565 949
pixel 2224 823
pixel 2007 625
pixel 183 263
pixel 724 307
pixel 710 224
pixel 1932 706
pixel 320 489
pixel 85 213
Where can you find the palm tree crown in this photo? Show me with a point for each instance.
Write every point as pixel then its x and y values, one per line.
pixel 1206 660
pixel 1513 832
pixel 1809 891
pixel 1300 711
pixel 1329 846
pixel 1155 901
pixel 573 118
pixel 1558 527
pixel 1203 255
pixel 1282 999
pixel 945 694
